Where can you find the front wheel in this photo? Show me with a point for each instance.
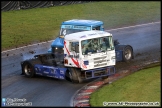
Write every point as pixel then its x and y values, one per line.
pixel 73 75
pixel 28 69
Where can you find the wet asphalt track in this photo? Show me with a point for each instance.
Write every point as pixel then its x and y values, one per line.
pixel 42 91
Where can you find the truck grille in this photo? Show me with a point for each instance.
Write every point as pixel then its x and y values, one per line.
pixel 98 65
pixel 97 58
pixel 100 61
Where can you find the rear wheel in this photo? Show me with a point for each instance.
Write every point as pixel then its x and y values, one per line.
pixel 127 54
pixel 28 69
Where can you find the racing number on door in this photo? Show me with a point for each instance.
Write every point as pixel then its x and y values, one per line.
pixel 64 32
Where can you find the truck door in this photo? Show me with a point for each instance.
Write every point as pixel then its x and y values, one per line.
pixel 74 54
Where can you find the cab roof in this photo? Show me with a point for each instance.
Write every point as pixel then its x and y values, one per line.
pixel 86 35
pixel 82 22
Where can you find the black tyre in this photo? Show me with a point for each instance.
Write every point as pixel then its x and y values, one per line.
pixel 28 69
pixel 127 53
pixel 78 72
pixel 73 75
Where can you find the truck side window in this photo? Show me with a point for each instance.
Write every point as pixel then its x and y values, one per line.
pixel 72 45
pixel 96 28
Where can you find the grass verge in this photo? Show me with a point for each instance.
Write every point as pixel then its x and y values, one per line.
pixel 141 86
pixel 23 27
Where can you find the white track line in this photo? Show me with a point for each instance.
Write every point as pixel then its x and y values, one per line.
pixel 25 46
pixel 105 30
pixel 133 26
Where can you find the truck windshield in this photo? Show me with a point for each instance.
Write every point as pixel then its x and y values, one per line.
pixel 97 45
pixel 65 31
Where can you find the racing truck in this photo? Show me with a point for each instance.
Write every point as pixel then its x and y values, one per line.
pixel 78 25
pixel 85 53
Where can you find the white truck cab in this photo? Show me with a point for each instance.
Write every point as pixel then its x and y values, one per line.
pixel 89 50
